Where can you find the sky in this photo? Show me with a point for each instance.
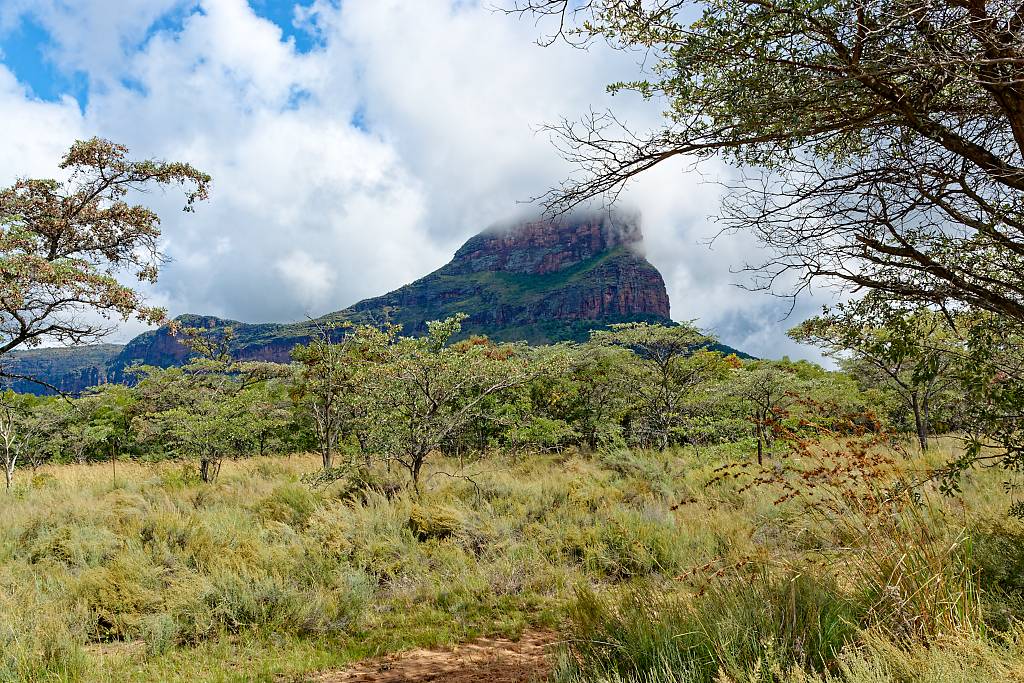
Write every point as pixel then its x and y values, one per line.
pixel 353 145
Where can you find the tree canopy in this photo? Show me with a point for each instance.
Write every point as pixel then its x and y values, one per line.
pixel 881 140
pixel 65 244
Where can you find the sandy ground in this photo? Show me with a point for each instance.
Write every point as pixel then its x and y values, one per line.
pixel 492 660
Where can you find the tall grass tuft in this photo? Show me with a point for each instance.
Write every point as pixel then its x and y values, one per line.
pixel 916 577
pixel 743 627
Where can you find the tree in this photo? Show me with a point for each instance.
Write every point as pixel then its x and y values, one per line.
pixel 26 425
pixel 111 410
pixel 205 410
pixel 586 389
pixel 667 365
pixel 422 392
pixel 769 390
pixel 883 140
pixel 910 354
pixel 326 385
pixel 13 411
pixel 63 245
pixel 269 413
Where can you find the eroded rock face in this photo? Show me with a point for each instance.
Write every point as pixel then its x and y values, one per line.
pixel 587 270
pixel 539 281
pixel 542 247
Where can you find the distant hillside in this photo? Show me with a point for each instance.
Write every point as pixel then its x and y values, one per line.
pixel 540 282
pixel 68 369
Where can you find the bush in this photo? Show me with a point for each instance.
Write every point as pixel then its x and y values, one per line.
pixel 624 544
pixel 117 595
pixel 434 522
pixel 68 541
pixel 291 504
pixel 998 556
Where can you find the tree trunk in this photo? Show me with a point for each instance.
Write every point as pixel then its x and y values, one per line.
pixel 919 422
pixel 414 471
pixel 209 468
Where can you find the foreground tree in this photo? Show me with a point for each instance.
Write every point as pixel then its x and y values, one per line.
pixel 63 245
pixel 885 139
pixel 424 391
pixel 326 386
pixel 207 409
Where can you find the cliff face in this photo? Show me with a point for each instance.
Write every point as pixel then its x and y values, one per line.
pixel 68 369
pixel 543 247
pixel 540 281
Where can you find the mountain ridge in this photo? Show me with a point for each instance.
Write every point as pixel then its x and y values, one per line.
pixel 537 281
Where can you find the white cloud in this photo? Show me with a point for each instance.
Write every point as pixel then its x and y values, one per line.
pixel 354 168
pixel 35 134
pixel 310 280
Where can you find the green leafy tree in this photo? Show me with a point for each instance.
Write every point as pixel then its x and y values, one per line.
pixel 63 245
pixel 15 430
pixel 667 364
pixel 206 409
pixel 912 355
pixel 110 412
pixel 423 392
pixel 585 389
pixel 270 414
pixel 327 385
pixel 768 390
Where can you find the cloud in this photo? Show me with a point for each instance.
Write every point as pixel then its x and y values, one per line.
pixel 311 280
pixel 35 134
pixel 360 162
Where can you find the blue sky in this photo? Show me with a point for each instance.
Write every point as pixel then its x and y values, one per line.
pixel 354 145
pixel 27 46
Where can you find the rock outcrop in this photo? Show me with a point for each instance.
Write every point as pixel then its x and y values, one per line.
pixel 540 281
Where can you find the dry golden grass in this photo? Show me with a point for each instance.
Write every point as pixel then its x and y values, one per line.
pixel 259 576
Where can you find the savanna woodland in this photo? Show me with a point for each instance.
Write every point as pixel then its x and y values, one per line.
pixel 661 510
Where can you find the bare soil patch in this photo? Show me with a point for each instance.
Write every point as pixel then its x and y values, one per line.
pixel 492 660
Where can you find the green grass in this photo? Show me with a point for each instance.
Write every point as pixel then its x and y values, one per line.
pixel 259 577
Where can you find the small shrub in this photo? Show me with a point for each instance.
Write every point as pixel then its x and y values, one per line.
pixel 117 595
pixel 42 480
pixel 998 556
pixel 73 543
pixel 434 522
pixel 241 601
pixel 625 544
pixel 290 504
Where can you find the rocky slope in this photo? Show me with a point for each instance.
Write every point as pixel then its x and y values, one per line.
pixel 540 281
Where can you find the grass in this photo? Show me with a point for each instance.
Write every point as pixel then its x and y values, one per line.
pixel 649 574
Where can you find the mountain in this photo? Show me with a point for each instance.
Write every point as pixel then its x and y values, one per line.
pixel 70 369
pixel 538 281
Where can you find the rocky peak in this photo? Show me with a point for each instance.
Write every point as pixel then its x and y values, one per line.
pixel 545 246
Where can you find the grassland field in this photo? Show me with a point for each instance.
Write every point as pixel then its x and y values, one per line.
pixel 644 570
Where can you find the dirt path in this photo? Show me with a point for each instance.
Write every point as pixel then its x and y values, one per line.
pixel 492 660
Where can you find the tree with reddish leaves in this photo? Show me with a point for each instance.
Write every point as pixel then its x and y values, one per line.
pixel 65 245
